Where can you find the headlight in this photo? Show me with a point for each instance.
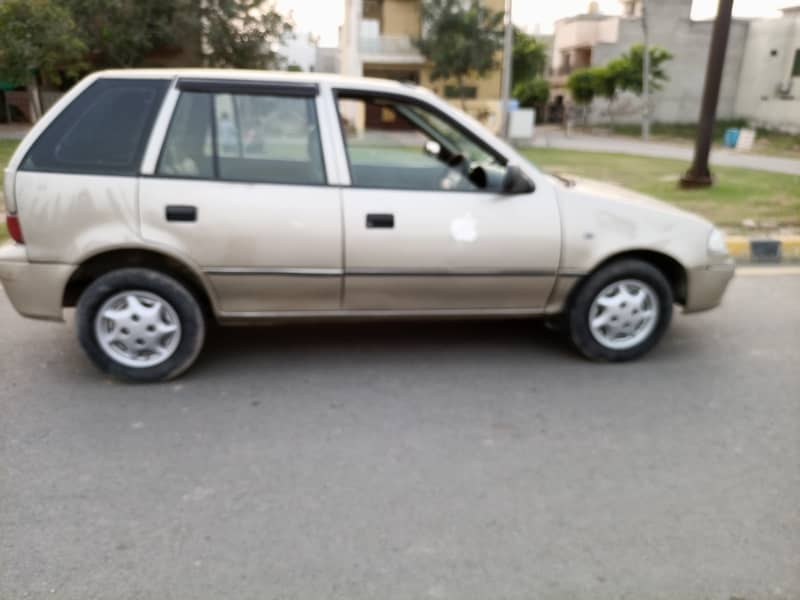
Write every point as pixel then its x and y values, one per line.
pixel 716 243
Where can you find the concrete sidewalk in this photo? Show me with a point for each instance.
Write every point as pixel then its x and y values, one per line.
pixel 15 131
pixel 550 137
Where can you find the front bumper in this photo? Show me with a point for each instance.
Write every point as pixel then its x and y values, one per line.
pixel 36 290
pixel 706 285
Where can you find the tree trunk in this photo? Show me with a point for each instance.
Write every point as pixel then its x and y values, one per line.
pixel 611 112
pixel 7 108
pixel 37 110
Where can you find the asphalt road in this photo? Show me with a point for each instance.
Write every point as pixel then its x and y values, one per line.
pixel 457 460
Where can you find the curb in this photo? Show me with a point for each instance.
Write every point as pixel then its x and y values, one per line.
pixel 771 250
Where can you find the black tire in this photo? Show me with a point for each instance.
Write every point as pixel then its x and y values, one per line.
pixel 182 301
pixel 578 315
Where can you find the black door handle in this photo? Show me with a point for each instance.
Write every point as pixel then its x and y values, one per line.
pixel 380 221
pixel 181 213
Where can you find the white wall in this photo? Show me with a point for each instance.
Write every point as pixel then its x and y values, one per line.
pixel 688 41
pixel 768 58
pixel 350 63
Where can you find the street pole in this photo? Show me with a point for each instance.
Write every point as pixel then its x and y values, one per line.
pixel 699 174
pixel 508 51
pixel 645 75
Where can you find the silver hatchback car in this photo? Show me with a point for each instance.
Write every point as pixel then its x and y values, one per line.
pixel 157 200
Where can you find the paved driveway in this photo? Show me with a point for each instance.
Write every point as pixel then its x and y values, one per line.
pixel 462 460
pixel 552 137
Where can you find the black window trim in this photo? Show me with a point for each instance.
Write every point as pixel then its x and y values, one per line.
pixel 217 178
pixel 247 87
pixel 356 94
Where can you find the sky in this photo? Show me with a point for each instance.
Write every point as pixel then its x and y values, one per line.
pixel 323 17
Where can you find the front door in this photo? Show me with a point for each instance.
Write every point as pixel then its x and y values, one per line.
pixel 422 233
pixel 240 188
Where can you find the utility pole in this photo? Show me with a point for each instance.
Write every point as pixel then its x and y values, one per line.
pixel 508 51
pixel 699 174
pixel 645 75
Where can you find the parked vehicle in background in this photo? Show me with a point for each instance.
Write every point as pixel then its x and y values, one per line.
pixel 157 201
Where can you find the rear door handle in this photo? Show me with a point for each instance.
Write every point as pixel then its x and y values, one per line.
pixel 181 213
pixel 380 221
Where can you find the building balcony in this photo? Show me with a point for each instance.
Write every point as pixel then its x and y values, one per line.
pixel 395 49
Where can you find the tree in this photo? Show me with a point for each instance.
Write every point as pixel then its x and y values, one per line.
pixel 460 40
pixel 582 85
pixel 607 81
pixel 530 57
pixel 39 43
pixel 242 34
pixel 630 67
pixel 623 73
pixel 533 93
pixel 120 33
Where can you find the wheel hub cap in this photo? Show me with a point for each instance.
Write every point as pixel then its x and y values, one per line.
pixel 138 329
pixel 624 314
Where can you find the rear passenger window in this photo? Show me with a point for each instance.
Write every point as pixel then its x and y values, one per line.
pixel 104 131
pixel 244 137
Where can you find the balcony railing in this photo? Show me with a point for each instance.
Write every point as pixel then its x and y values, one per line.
pixel 388 46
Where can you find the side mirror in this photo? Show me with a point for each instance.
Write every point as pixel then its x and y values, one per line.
pixel 516 182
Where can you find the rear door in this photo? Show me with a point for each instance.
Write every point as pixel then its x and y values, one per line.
pixel 420 235
pixel 240 187
pixel 76 185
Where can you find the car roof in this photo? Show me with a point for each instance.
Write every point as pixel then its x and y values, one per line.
pixel 267 76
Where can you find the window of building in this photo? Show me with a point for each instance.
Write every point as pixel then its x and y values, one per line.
pixel 242 137
pixel 796 64
pixel 465 91
pixel 102 132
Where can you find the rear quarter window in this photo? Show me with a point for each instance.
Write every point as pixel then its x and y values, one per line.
pixel 103 131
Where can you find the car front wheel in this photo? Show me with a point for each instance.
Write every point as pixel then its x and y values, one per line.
pixel 140 325
pixel 621 311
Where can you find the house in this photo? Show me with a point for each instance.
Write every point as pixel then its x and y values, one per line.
pixel 594 39
pixel 769 85
pixel 377 40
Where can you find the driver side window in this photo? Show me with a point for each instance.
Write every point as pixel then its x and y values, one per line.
pixel 392 145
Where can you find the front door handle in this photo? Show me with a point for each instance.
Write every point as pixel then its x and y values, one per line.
pixel 181 213
pixel 380 221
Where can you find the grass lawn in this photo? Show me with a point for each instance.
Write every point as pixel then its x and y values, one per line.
pixel 6 149
pixel 738 194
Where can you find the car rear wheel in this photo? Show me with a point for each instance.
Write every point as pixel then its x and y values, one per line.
pixel 621 311
pixel 140 325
